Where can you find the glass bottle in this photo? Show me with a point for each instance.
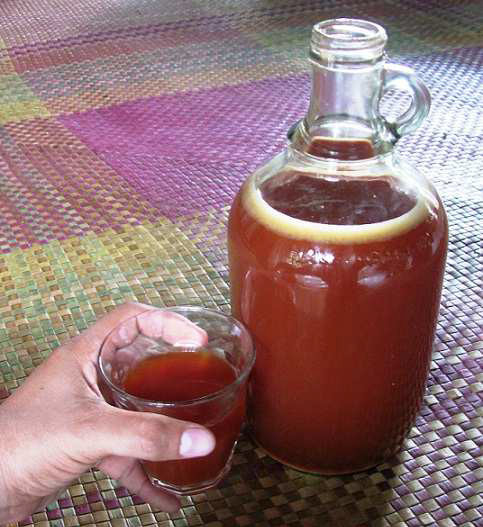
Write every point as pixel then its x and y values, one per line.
pixel 337 251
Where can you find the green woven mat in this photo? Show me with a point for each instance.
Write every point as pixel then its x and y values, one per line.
pixel 126 127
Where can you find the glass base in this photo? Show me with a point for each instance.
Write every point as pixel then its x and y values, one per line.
pixel 195 488
pixel 325 472
pixel 319 472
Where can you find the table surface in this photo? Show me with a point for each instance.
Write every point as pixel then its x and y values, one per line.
pixel 126 129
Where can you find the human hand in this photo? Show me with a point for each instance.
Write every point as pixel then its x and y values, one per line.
pixel 57 424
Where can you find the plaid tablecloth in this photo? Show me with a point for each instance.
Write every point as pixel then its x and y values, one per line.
pixel 126 127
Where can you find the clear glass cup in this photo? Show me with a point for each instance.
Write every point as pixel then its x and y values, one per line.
pixel 229 349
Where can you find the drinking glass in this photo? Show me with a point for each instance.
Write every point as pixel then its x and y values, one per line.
pixel 229 347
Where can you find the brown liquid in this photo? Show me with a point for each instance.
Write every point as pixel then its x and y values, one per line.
pixel 341 149
pixel 343 317
pixel 178 376
pixel 182 376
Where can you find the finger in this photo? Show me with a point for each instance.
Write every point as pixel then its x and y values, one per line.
pixel 129 340
pixel 89 342
pixel 121 329
pixel 149 436
pixel 123 335
pixel 130 474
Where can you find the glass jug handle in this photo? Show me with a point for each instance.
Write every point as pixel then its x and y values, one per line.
pixel 397 77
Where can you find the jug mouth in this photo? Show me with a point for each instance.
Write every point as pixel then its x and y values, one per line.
pixel 347 40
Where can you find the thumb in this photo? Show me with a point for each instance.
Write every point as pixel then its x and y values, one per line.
pixel 148 436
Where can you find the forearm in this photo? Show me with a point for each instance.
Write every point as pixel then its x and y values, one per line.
pixel 14 504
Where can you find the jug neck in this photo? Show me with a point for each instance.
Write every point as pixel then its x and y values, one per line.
pixel 343 120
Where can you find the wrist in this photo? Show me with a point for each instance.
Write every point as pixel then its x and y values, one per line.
pixel 6 513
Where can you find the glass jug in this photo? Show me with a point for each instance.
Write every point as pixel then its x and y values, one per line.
pixel 337 251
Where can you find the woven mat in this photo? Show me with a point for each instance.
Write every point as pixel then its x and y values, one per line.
pixel 126 127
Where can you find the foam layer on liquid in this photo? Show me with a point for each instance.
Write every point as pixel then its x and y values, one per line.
pixel 295 228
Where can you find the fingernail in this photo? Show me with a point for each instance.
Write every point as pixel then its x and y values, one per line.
pixel 186 344
pixel 151 323
pixel 195 442
pixel 123 334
